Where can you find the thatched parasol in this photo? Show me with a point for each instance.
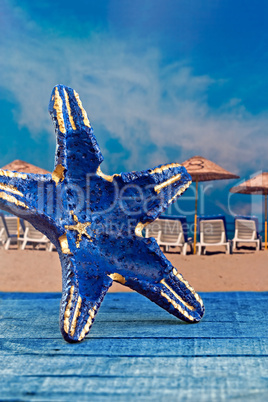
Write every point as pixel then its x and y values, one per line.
pixel 256 185
pixel 25 167
pixel 202 169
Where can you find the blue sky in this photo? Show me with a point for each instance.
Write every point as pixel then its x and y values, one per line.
pixel 161 80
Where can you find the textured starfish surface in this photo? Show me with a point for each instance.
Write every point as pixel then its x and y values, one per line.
pixel 96 222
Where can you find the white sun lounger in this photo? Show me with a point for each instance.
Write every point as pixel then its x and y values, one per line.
pixel 34 237
pixel 168 233
pixel 9 231
pixel 3 235
pixel 246 232
pixel 154 230
pixel 212 233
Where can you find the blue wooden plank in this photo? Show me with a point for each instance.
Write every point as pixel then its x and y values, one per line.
pixel 44 329
pixel 183 379
pixel 226 304
pixel 136 351
pixel 228 315
pixel 161 389
pixel 140 347
pixel 148 366
pixel 125 296
pixel 29 296
pixel 228 311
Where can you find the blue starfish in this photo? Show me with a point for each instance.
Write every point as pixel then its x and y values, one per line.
pixel 96 221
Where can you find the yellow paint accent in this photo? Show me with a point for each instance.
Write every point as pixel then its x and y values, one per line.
pixel 76 315
pixel 118 278
pixel 139 228
pixel 13 200
pixel 164 167
pixel 69 109
pixel 64 244
pixel 86 121
pixel 58 108
pixel 80 228
pixel 176 295
pixel 166 183
pixel 68 311
pixel 181 190
pixel 85 329
pixel 58 174
pixel 8 173
pixel 106 176
pixel 10 189
pixel 177 306
pixel 181 278
pixel 92 313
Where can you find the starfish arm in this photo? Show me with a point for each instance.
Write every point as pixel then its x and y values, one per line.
pixel 83 291
pixel 19 192
pixel 77 149
pixel 146 270
pixel 174 294
pixel 95 222
pixel 156 188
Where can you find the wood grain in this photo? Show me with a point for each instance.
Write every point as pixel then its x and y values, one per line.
pixel 135 351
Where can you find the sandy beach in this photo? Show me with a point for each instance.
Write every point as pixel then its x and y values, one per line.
pixel 40 271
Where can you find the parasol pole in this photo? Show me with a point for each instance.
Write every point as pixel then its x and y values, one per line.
pixel 18 231
pixel 265 227
pixel 195 216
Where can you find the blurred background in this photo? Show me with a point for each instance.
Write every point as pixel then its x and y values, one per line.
pixel 161 81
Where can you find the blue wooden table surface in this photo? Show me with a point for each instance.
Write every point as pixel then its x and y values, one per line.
pixel 135 351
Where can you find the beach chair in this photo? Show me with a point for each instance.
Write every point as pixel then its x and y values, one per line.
pixel 172 235
pixel 212 232
pixel 51 247
pixel 3 235
pixel 9 230
pixel 170 232
pixel 34 237
pixel 246 231
pixel 153 230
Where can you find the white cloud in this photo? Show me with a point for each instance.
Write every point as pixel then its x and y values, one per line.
pixel 132 96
